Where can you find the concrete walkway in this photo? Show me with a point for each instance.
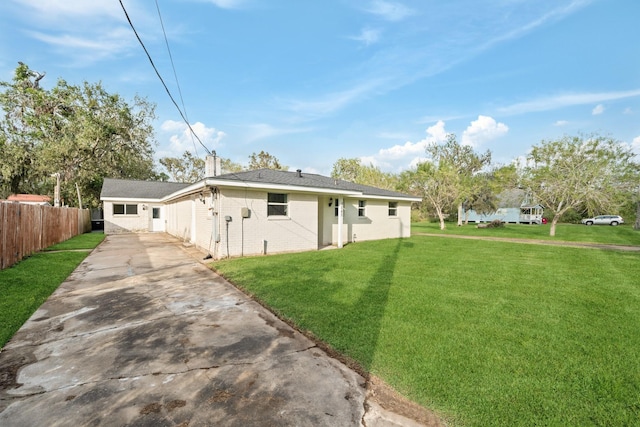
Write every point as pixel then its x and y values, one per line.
pixel 143 334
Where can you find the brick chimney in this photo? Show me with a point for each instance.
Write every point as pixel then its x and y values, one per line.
pixel 211 166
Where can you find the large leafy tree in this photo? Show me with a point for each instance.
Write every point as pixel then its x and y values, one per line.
pixel 592 173
pixel 188 168
pixel 437 184
pixel 353 170
pixel 82 132
pixel 449 178
pixel 264 160
pixel 229 166
pixel 490 186
pixel 467 165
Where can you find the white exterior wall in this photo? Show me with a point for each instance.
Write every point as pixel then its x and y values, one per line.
pixel 376 224
pixel 115 224
pixel 251 236
pixel 204 223
pixel 178 216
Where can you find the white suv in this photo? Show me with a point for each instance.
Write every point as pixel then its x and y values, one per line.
pixel 604 220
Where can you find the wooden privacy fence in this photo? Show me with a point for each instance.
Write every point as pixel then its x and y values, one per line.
pixel 25 229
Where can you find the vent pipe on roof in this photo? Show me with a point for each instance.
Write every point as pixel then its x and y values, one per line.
pixel 299 171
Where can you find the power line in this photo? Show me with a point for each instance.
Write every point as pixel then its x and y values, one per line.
pixel 160 77
pixel 175 75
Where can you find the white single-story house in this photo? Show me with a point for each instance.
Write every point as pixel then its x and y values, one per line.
pixel 257 212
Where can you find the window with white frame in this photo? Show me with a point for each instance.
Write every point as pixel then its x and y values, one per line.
pixel 361 207
pixel 123 209
pixel 337 208
pixel 277 204
pixel 393 208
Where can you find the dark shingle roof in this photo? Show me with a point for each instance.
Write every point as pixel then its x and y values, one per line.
pixel 278 177
pixel 131 189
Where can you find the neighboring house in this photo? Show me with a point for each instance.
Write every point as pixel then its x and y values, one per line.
pixel 514 207
pixel 258 212
pixel 525 214
pixel 30 199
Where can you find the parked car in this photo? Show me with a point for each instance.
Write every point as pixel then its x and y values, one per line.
pixel 604 220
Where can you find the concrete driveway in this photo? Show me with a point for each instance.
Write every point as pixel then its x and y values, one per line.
pixel 143 334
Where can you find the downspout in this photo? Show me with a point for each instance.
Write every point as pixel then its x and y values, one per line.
pixel 215 236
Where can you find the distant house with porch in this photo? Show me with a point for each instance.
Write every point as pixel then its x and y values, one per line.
pixel 515 208
pixel 257 212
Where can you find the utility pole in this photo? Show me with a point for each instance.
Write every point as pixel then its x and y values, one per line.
pixel 56 192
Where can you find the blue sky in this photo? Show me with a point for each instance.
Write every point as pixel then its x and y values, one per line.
pixel 313 81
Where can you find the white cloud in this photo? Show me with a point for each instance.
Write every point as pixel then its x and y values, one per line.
pixel 367 36
pixel 391 11
pixel 561 123
pixel 227 4
pixel 555 102
pixel 435 133
pixel 260 131
pixel 400 151
pixel 180 138
pixel 332 102
pixel 86 49
pixel 635 144
pixel 85 31
pixel 627 110
pixel 54 9
pixel 402 156
pixel 598 109
pixel 483 129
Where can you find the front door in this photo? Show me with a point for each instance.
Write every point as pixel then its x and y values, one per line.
pixel 157 218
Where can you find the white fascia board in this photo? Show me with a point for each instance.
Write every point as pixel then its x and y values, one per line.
pixel 280 187
pixel 194 188
pixel 129 199
pixel 392 198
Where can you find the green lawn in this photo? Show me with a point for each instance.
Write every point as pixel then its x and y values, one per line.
pixel 483 332
pixel 26 285
pixel 620 235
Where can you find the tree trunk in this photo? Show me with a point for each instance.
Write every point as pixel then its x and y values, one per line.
pixel 554 221
pixel 441 217
pixel 636 226
pixel 459 214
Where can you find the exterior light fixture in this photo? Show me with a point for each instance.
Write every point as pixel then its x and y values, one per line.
pixel 330 201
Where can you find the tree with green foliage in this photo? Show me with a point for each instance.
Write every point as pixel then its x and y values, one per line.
pixel 229 166
pixel 353 170
pixel 449 178
pixel 483 200
pixel 466 163
pixel 264 160
pixel 437 184
pixel 592 172
pixel 188 168
pixel 489 186
pixel 81 132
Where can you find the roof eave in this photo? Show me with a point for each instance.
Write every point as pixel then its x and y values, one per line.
pixel 130 199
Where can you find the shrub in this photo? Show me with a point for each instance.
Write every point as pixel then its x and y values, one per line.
pixel 496 223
